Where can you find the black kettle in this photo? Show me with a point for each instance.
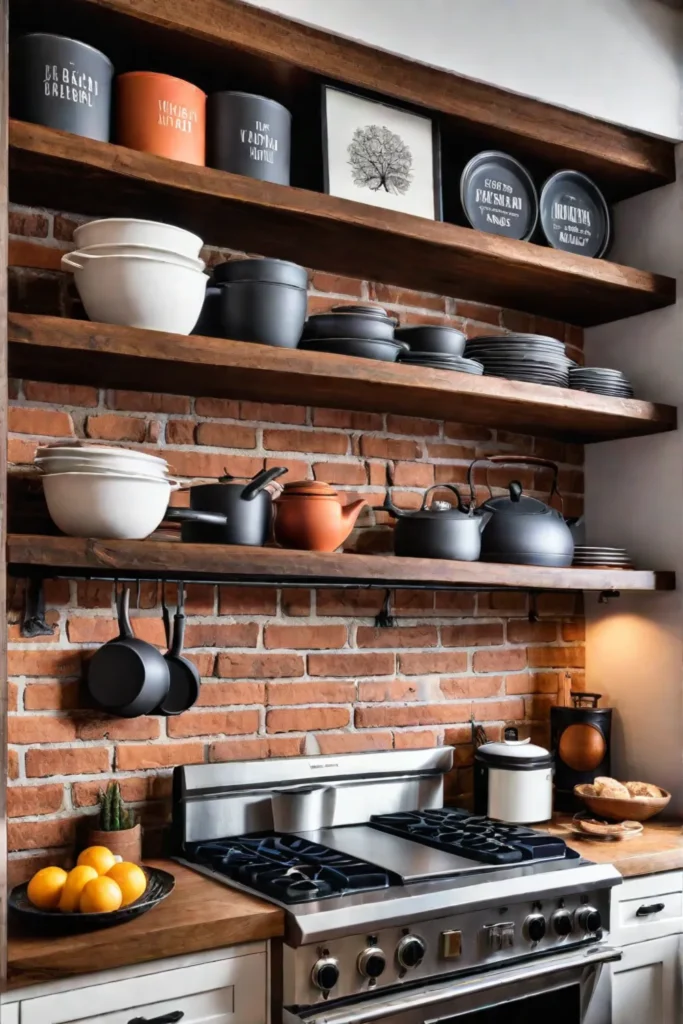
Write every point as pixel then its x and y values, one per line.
pixel 248 506
pixel 519 529
pixel 439 530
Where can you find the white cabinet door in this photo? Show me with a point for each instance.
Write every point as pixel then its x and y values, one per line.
pixel 646 983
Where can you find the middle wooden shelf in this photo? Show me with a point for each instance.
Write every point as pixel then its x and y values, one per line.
pixel 79 352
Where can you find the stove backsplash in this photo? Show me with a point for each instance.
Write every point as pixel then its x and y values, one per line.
pixel 284 672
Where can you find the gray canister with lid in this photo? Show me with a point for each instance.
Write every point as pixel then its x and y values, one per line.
pixel 248 134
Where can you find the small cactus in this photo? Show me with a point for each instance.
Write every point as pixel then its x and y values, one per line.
pixel 114 815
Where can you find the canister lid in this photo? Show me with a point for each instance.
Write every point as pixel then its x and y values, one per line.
pixel 514 754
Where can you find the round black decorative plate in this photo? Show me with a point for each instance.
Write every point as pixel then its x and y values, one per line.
pixel 574 214
pixel 160 884
pixel 499 196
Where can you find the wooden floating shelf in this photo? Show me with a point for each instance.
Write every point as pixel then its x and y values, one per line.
pixel 85 176
pixel 80 352
pixel 149 559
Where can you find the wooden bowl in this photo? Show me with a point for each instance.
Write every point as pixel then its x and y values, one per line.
pixel 638 808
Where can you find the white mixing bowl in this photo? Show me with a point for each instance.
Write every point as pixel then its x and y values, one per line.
pixel 107 505
pixel 138 232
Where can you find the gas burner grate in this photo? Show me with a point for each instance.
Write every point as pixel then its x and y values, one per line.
pixel 478 838
pixel 289 869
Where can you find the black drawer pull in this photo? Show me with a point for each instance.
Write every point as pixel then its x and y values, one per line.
pixel 166 1018
pixel 654 908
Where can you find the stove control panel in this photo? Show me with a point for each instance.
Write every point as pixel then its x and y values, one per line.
pixel 370 961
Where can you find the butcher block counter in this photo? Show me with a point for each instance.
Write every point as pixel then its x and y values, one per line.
pixel 200 914
pixel 659 847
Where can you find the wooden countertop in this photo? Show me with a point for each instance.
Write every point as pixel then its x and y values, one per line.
pixel 199 914
pixel 658 848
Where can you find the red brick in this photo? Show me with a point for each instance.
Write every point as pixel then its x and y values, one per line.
pixel 143 728
pixel 110 427
pixel 414 425
pixel 388 293
pixel 296 602
pixel 39 729
pixel 460 687
pixel 502 602
pixel 406 740
pixel 214 694
pixel 212 723
pixel 520 631
pixel 536 682
pixel 297 469
pixel 12 697
pixel 350 473
pixel 391 690
pixel 41 763
pixel 217 408
pixel 51 696
pixel 354 603
pixel 336 284
pixel 31 225
pixel 388 448
pixel 305 441
pixel 248 750
pixel 477 311
pixel 346 420
pixel 351 665
pixel 148 401
pixel 556 657
pixel 238 634
pixel 24 801
pixel 261 666
pixel 507 660
pixel 135 756
pixel 226 435
pixel 135 790
pixel 449 602
pixel 247 600
pixel 574 630
pixel 12 764
pixel 412 602
pixel 306 720
pixel 444 450
pixel 261 412
pixel 94 594
pixel 37 835
pixel 205 661
pixel 560 604
pixel 44 663
pixel 413 474
pixel 478 634
pixel 304 638
pixel 352 742
pixel 399 636
pixel 415 714
pixel 44 422
pixel 428 664
pixel 466 432
pixel 538 707
pixel 318 692
pixel 498 710
pixel 63 227
pixel 193 464
pixel 180 432
pixel 83 629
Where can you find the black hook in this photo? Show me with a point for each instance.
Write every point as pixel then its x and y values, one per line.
pixel 384 619
pixel 533 608
pixel 33 623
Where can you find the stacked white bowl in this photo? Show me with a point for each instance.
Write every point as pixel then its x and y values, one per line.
pixel 100 491
pixel 139 273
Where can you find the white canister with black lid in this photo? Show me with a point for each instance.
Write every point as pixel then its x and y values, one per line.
pixel 513 781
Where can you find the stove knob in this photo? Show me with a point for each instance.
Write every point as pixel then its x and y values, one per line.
pixel 410 951
pixel 325 974
pixel 588 919
pixel 371 962
pixel 562 923
pixel 535 927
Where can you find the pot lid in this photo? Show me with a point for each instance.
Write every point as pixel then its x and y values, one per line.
pixel 524 506
pixel 314 488
pixel 437 510
pixel 267 270
pixel 512 752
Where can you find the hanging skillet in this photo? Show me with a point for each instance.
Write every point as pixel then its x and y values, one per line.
pixel 183 690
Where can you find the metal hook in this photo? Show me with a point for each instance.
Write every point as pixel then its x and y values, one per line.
pixel 384 619
pixel 533 607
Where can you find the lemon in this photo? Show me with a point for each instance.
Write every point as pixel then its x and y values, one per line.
pixel 97 857
pixel 130 879
pixel 100 895
pixel 76 881
pixel 45 888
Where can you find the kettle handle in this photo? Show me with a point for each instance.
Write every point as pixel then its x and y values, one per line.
pixel 443 487
pixel 514 460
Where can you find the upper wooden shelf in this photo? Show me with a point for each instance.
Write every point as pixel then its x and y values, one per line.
pixel 149 559
pixel 80 352
pixel 223 44
pixel 80 175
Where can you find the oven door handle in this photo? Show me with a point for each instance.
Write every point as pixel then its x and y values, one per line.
pixel 399 1002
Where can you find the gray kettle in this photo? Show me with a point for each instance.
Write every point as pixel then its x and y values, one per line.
pixel 520 529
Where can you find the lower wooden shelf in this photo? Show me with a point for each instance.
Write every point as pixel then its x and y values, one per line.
pixel 149 559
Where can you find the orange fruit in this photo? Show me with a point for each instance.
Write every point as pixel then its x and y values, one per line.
pixel 97 857
pixel 76 881
pixel 100 895
pixel 45 888
pixel 131 880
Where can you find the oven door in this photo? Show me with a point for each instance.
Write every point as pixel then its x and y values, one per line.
pixel 569 989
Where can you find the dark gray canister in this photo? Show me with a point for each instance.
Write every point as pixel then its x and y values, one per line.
pixel 62 83
pixel 250 135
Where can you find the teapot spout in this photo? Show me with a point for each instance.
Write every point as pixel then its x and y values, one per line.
pixel 351 512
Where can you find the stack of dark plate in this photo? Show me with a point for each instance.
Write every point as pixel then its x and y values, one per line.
pixel 528 357
pixel 600 381
pixel 365 331
pixel 436 346
pixel 589 557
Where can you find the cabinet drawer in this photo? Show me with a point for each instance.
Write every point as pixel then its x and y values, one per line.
pixel 648 917
pixel 648 885
pixel 221 992
pixel 9 1013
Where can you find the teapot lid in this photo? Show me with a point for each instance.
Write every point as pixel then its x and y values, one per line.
pixel 312 488
pixel 438 510
pixel 516 503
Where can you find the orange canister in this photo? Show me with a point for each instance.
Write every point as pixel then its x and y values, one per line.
pixel 161 114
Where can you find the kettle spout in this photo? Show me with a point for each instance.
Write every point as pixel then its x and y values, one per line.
pixel 350 513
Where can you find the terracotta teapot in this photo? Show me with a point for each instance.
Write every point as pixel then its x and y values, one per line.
pixel 310 516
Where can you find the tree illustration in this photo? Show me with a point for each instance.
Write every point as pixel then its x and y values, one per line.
pixel 380 159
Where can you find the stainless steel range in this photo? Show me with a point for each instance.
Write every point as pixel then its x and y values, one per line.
pixel 398 909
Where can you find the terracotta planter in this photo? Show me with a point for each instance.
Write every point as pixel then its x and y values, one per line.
pixel 126 844
pixel 161 114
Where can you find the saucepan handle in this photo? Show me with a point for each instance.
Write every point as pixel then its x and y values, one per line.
pixel 190 515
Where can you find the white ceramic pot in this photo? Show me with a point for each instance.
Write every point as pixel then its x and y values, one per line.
pixel 107 505
pixel 138 232
pixel 129 249
pixel 513 781
pixel 138 291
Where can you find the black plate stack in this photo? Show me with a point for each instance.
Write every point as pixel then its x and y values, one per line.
pixel 353 330
pixel 600 381
pixel 589 557
pixel 529 357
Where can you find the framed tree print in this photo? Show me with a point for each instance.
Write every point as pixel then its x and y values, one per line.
pixel 380 154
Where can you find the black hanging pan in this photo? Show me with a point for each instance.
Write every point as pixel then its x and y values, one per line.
pixel 184 685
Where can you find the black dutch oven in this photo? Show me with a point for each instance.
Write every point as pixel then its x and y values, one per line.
pixel 246 506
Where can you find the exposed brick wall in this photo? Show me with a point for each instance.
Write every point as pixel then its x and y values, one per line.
pixel 284 672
